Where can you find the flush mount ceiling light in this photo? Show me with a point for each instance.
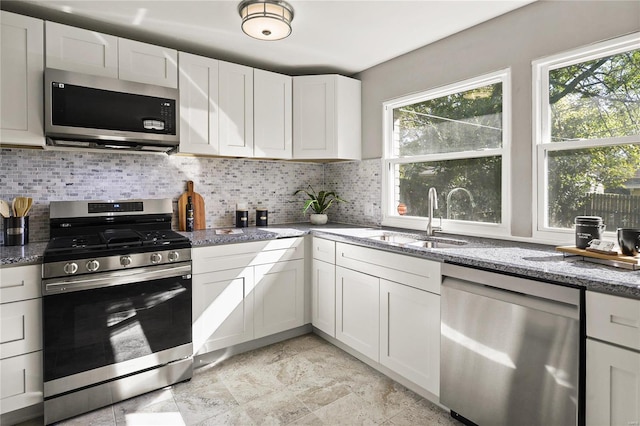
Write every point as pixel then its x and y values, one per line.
pixel 266 19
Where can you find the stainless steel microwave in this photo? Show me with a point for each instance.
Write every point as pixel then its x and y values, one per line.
pixel 85 111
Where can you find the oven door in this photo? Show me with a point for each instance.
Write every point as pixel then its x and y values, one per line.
pixel 100 328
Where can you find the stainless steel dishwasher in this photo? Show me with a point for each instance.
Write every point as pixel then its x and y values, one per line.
pixel 510 349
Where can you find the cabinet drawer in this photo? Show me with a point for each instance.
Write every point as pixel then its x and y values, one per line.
pixel 613 319
pixel 20 283
pixel 324 250
pixel 21 381
pixel 20 327
pixel 231 256
pixel 419 273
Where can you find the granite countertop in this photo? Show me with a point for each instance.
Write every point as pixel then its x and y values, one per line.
pixel 536 261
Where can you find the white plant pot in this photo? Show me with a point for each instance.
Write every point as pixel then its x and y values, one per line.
pixel 318 219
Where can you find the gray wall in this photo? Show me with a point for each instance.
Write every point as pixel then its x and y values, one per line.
pixel 512 40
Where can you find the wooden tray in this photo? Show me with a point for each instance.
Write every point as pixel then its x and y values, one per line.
pixel 616 259
pixel 198 209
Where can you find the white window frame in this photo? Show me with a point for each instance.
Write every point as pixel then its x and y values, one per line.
pixel 389 161
pixel 542 144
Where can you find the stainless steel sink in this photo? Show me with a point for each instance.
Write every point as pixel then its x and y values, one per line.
pixel 417 240
pixel 438 243
pixel 394 238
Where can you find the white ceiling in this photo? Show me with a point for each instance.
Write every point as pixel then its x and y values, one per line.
pixel 345 37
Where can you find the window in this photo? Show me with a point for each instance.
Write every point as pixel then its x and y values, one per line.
pixel 588 137
pixel 454 139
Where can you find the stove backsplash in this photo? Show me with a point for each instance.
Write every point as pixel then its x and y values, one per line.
pixel 56 175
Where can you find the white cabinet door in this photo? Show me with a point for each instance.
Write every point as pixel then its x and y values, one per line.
pixel 20 283
pixel 199 109
pixel 222 309
pixel 410 334
pixel 21 381
pixel 20 327
pixel 323 296
pixel 613 385
pixel 272 103
pixel 236 109
pixel 147 63
pixel 80 50
pixel 326 117
pixel 21 91
pixel 279 297
pixel 357 311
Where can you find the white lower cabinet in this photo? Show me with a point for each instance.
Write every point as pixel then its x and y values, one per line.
pixel 279 297
pixel 387 308
pixel 323 296
pixel 410 333
pixel 613 385
pixel 21 381
pixel 357 311
pixel 222 309
pixel 613 360
pixel 20 337
pixel 245 291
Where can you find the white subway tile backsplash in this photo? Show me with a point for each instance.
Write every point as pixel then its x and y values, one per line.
pixel 59 175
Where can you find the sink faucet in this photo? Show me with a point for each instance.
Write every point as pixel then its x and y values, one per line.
pixel 433 204
pixel 466 191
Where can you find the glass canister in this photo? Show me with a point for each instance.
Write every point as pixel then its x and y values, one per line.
pixel 588 228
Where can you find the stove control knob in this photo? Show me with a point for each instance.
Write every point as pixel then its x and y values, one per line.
pixel 156 258
pixel 125 261
pixel 70 268
pixel 93 265
pixel 173 256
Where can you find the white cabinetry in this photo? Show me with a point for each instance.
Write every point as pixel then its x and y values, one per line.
pixel 388 308
pixel 279 300
pixel 147 63
pixel 199 109
pixel 272 108
pixel 89 52
pixel 21 91
pixel 246 291
pixel 326 117
pixel 216 107
pixel 80 50
pixel 323 286
pixel 410 333
pixel 222 307
pixel 20 337
pixel 613 370
pixel 236 104
pixel 357 311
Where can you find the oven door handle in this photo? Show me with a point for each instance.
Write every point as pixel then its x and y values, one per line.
pixel 129 276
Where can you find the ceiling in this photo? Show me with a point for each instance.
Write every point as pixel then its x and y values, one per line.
pixel 329 36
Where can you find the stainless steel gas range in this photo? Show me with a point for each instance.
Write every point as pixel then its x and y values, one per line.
pixel 116 304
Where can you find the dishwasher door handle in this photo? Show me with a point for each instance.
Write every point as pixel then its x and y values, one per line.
pixel 529 301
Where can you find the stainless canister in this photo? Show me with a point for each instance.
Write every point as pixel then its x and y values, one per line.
pixel 16 231
pixel 588 228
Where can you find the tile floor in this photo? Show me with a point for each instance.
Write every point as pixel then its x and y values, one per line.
pixel 301 381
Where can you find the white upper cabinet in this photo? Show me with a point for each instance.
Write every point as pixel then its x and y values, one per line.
pixel 89 52
pixel 236 110
pixel 147 63
pixel 326 117
pixel 21 90
pixel 199 110
pixel 272 108
pixel 80 50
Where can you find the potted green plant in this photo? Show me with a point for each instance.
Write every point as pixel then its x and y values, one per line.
pixel 319 203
